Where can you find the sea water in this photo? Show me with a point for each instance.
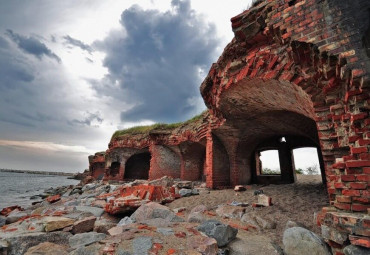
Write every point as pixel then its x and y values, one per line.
pixel 18 188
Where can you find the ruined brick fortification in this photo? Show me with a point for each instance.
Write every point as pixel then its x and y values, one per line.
pixel 297 69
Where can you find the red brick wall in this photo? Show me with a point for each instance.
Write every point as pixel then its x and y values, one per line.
pixel 164 161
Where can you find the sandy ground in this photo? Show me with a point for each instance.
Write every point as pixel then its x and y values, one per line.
pixel 296 202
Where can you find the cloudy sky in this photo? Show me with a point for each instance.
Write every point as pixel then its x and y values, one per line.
pixel 73 72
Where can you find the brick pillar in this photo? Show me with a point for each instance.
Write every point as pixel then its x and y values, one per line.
pixel 209 160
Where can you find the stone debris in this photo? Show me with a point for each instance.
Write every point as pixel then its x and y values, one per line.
pixel 47 248
pixel 263 200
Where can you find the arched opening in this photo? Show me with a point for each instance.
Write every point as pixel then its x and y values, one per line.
pixel 137 166
pixel 193 160
pixel 114 168
pixel 265 115
pixel 307 161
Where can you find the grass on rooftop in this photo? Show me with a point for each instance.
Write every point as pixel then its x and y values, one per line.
pixel 158 126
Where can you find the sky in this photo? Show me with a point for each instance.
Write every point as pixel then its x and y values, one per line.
pixel 73 72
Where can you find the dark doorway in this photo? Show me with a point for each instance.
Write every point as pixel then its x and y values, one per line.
pixel 137 166
pixel 114 169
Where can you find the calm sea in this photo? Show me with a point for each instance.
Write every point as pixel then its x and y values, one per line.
pixel 17 188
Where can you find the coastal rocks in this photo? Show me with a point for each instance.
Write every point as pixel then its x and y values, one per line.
pixel 356 250
pixel 93 249
pixel 15 215
pixel 7 210
pixel 47 248
pixel 219 231
pixel 84 225
pixel 2 221
pixel 252 245
pixel 85 239
pixel 154 210
pixel 300 241
pixel 125 221
pixel 202 244
pixel 55 223
pixel 97 212
pixel 53 199
pixel 20 244
pixel 103 225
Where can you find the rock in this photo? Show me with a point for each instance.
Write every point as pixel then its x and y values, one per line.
pixel 219 231
pixel 196 214
pixel 165 181
pixel 239 188
pixel 85 239
pixel 55 223
pixel 154 210
pixel 165 231
pixel 250 219
pixel 53 199
pixel 93 249
pixel 264 200
pixel 103 225
pixel 115 231
pixel 202 244
pixel 47 248
pixel 258 192
pixel 300 241
pixel 84 225
pixel 157 222
pixel 125 221
pixel 332 234
pixel 97 212
pixel 79 215
pixel 291 224
pixel 7 210
pixel 265 223
pixel 15 215
pixel 228 211
pixel 236 203
pixel 20 244
pixel 185 192
pixel 356 250
pixel 2 221
pixel 141 245
pixel 184 185
pixel 252 245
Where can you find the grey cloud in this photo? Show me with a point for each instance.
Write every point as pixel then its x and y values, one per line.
pixel 156 60
pixel 88 120
pixel 31 45
pixel 77 43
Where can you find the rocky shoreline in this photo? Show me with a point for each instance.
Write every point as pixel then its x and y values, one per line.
pixel 138 218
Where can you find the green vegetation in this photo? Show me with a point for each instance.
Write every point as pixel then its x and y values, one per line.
pixel 270 171
pixel 158 126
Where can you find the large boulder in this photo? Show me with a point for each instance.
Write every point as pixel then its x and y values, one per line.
pixel 85 239
pixel 97 212
pixel 300 241
pixel 47 248
pixel 219 231
pixel 196 215
pixel 15 216
pixel 154 210
pixel 20 244
pixel 141 245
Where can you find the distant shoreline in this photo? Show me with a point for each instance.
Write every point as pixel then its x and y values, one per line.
pixel 37 172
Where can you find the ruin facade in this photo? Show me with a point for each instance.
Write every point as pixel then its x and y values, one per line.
pixel 295 75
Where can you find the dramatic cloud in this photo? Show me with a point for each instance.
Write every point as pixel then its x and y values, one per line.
pixel 157 62
pixel 31 45
pixel 77 43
